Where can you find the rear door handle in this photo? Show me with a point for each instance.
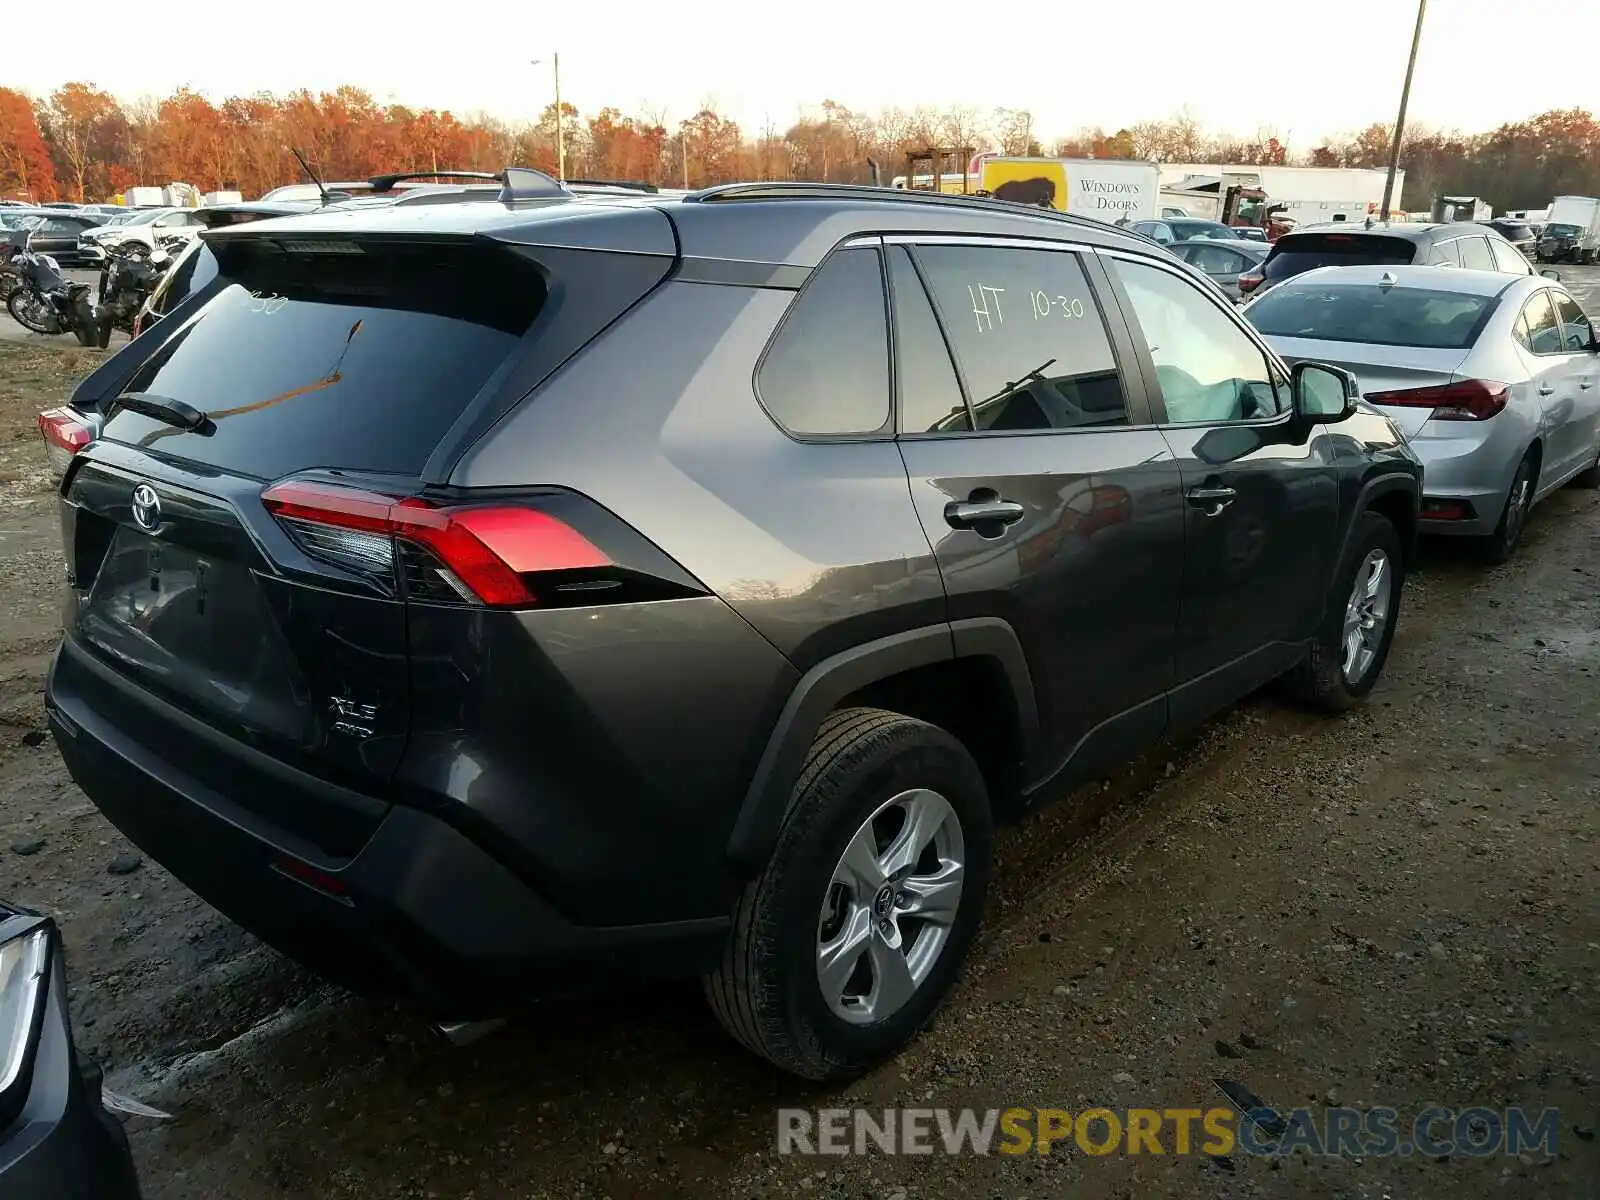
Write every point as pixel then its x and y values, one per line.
pixel 1586 384
pixel 1546 389
pixel 969 514
pixel 1212 499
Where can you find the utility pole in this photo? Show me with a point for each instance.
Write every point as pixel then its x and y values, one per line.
pixel 683 147
pixel 1400 121
pixel 561 141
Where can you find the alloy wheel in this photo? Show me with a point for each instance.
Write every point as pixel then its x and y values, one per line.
pixel 890 906
pixel 1366 616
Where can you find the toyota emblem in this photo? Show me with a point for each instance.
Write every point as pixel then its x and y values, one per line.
pixel 146 507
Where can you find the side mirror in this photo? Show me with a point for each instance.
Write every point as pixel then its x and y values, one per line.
pixel 1323 393
pixel 1549 274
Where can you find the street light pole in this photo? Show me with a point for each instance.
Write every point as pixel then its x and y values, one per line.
pixel 1400 121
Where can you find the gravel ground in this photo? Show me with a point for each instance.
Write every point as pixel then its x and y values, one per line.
pixel 1400 907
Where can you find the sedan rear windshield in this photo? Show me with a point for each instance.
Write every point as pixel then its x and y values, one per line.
pixel 1295 254
pixel 360 359
pixel 1399 316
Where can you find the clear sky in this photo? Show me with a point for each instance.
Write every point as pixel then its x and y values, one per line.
pixel 1307 69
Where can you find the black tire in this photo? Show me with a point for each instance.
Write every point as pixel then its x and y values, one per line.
pixel 766 991
pixel 1502 543
pixel 1319 680
pixel 17 306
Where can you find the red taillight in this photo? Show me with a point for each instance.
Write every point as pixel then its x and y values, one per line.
pixel 1250 281
pixel 484 551
pixel 1464 400
pixel 65 433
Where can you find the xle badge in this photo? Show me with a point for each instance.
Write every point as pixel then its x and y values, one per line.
pixel 352 717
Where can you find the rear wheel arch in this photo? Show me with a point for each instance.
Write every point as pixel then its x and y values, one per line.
pixel 919 673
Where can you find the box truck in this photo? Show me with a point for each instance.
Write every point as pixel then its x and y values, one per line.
pixel 1108 190
pixel 1571 231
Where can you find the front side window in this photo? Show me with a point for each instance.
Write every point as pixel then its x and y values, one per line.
pixel 827 371
pixel 1028 337
pixel 1576 333
pixel 1508 259
pixel 1208 368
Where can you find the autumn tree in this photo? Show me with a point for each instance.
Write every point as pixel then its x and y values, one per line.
pixel 74 119
pixel 25 167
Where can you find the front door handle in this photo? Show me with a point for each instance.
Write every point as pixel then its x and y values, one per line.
pixel 1212 499
pixel 1546 389
pixel 1586 384
pixel 988 510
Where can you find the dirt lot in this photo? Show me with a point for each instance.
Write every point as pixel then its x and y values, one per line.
pixel 1401 907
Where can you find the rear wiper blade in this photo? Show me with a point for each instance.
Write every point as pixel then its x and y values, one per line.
pixel 162 408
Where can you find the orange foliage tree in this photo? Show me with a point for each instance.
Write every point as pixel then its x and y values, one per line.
pixel 82 143
pixel 25 167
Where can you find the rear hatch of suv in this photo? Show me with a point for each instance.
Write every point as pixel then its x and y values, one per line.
pixel 1295 253
pixel 246 536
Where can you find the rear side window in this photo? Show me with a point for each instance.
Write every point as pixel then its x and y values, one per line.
pixel 361 359
pixel 827 371
pixel 1028 337
pixel 1380 317
pixel 1295 254
pixel 1445 254
pixel 930 395
pixel 1475 254
pixel 1536 327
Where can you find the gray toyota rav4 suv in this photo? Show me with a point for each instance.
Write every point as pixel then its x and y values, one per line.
pixel 500 599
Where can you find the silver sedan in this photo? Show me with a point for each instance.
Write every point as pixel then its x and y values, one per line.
pixel 1495 380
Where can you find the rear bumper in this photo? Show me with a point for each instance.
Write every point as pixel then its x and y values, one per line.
pixel 1474 467
pixel 64 1145
pixel 420 912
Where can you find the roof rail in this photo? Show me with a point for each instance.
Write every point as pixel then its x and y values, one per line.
pixel 780 190
pixel 632 185
pixel 385 183
pixel 524 183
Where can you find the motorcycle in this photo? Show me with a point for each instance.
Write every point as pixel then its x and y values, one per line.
pixel 132 271
pixel 44 300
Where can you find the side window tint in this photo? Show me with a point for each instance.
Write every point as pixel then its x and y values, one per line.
pixel 1028 337
pixel 1508 259
pixel 1543 336
pixel 930 395
pixel 1576 333
pixel 827 372
pixel 1208 368
pixel 1445 254
pixel 1475 254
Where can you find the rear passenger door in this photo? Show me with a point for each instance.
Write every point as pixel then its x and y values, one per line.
pixel 1260 488
pixel 1050 499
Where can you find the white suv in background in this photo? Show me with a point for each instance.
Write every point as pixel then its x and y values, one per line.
pixel 141 225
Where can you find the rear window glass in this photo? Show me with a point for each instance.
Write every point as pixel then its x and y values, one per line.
pixel 1366 313
pixel 357 360
pixel 1295 255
